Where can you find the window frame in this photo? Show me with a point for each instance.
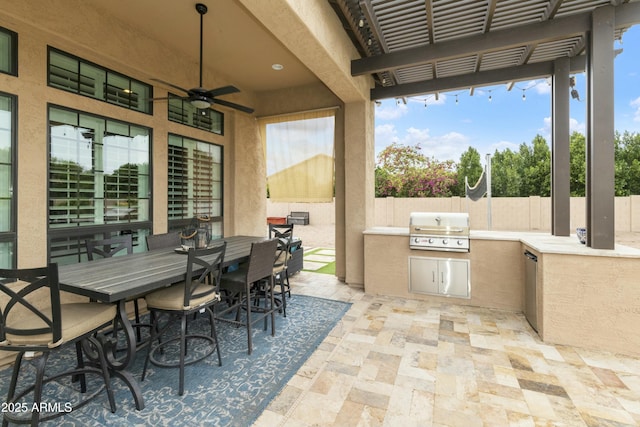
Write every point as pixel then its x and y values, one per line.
pixel 139 228
pixel 11 236
pixel 13 57
pixel 107 83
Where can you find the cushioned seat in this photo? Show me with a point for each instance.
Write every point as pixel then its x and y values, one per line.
pixel 77 319
pixel 171 298
pixel 33 320
pixel 178 302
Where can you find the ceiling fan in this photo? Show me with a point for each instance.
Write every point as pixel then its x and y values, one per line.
pixel 200 97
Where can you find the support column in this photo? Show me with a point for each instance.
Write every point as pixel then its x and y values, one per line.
pixel 359 185
pixel 600 197
pixel 560 162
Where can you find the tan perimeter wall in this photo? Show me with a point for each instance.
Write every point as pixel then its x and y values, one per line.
pixel 507 213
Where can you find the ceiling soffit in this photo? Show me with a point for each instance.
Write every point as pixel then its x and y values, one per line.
pixel 426 45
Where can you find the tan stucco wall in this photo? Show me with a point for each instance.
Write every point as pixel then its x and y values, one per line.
pixel 590 302
pixel 507 213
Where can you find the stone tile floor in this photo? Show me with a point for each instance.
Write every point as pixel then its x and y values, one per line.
pixel 398 362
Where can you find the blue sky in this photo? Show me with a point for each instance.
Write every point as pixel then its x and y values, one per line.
pixel 494 118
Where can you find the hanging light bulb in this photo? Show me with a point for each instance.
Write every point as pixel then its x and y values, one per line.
pixel 490 97
pixel 361 22
pixel 425 103
pixel 369 41
pixel 456 99
pixel 524 97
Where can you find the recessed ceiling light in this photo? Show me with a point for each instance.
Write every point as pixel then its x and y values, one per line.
pixel 277 67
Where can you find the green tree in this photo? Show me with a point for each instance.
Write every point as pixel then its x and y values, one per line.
pixel 506 175
pixel 536 168
pixel 577 165
pixel 470 167
pixel 627 163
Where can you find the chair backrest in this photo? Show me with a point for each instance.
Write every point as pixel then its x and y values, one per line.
pixel 22 291
pixel 107 248
pixel 284 234
pixel 162 241
pixel 204 266
pixel 261 260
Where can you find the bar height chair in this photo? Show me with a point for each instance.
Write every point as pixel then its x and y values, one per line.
pixel 245 292
pixel 284 234
pixel 32 319
pixel 199 292
pixel 163 241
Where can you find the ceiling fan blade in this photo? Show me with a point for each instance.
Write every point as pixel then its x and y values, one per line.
pixel 171 85
pixel 225 90
pixel 233 105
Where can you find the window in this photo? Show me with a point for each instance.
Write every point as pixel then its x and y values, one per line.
pixel 181 111
pixel 7 179
pixel 195 182
pixel 8 52
pixel 75 75
pixel 99 181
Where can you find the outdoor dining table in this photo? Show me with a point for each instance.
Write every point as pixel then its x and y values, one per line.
pixel 121 278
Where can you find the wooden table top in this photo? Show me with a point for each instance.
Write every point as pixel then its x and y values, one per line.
pixel 125 277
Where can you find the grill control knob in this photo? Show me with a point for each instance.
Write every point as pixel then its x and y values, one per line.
pixel 460 242
pixel 445 241
pixel 430 240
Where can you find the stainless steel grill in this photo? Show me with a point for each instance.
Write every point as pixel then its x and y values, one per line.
pixel 439 231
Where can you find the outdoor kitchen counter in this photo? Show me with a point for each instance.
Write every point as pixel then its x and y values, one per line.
pixel 585 297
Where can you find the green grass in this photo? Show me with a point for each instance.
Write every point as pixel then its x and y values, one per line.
pixel 330 268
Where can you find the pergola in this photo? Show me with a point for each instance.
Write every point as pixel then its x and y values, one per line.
pixel 415 47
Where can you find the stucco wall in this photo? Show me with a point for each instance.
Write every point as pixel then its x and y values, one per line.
pixel 508 213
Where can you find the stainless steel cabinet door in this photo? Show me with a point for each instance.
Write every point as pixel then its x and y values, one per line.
pixel 454 278
pixel 423 275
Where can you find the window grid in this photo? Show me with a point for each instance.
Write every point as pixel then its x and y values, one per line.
pixel 195 182
pixel 99 181
pixel 72 74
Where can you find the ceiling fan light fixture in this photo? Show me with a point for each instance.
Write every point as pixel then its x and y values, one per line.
pixel 200 103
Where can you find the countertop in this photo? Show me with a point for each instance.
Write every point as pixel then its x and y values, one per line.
pixel 540 242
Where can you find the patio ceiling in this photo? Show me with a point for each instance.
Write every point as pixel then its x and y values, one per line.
pixel 417 47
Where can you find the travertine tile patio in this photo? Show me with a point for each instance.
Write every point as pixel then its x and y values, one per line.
pixel 397 362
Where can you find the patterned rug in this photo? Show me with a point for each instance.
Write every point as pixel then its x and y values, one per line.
pixel 233 394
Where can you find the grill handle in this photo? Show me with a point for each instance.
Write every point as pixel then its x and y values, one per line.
pixel 436 229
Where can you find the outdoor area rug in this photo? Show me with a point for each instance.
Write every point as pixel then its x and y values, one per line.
pixel 233 394
pixel 320 260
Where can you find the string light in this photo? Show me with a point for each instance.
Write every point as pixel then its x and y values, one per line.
pixel 524 97
pixel 490 97
pixel 456 99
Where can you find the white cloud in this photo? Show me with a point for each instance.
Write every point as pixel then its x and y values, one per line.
pixel 449 146
pixel 636 104
pixel 574 126
pixel 391 112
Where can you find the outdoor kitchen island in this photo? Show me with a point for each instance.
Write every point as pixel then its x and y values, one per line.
pixel 585 297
